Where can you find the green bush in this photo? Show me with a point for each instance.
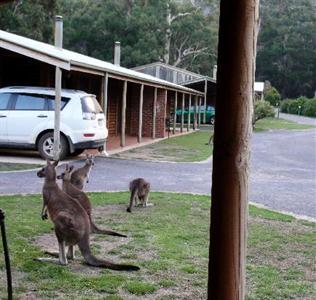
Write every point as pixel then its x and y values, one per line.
pixel 309 108
pixel 272 96
pixel 284 106
pixel 296 106
pixel 263 109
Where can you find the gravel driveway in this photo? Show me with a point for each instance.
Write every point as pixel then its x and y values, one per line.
pixel 282 173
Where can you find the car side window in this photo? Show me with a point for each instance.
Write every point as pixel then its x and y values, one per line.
pixel 4 100
pixel 30 102
pixel 51 102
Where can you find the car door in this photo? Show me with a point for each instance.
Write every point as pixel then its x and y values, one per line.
pixel 28 114
pixel 4 113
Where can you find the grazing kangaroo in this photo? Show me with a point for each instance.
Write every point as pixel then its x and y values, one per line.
pixel 71 223
pixel 83 199
pixel 139 188
pixel 81 176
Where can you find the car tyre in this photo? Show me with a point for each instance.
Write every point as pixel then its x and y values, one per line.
pixel 45 146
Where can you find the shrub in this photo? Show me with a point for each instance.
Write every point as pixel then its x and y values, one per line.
pixel 284 106
pixel 262 109
pixel 296 106
pixel 272 96
pixel 309 108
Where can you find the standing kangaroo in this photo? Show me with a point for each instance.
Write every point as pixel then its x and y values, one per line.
pixel 81 176
pixel 83 199
pixel 139 188
pixel 71 223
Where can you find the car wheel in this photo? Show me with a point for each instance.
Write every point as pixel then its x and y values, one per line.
pixel 45 146
pixel 212 120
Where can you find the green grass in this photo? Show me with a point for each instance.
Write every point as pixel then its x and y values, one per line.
pixel 277 124
pixel 4 167
pixel 187 148
pixel 169 242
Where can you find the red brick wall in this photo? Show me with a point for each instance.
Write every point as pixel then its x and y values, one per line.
pixel 133 109
pixel 148 111
pixel 160 113
pixel 114 106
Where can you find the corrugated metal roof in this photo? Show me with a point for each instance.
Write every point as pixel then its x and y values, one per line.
pixel 77 59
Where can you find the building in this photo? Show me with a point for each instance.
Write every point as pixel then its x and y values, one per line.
pixel 136 105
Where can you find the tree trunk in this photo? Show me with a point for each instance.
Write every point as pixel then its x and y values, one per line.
pixel 233 129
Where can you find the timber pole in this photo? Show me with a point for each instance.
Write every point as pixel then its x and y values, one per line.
pixel 205 101
pixel 195 113
pixel 189 113
pixel 154 112
pixel 199 113
pixel 175 113
pixel 140 117
pixel 105 102
pixel 123 120
pixel 182 113
pixel 58 75
pixel 234 108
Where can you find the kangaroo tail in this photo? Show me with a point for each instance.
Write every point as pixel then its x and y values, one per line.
pixel 132 199
pixel 96 229
pixel 95 262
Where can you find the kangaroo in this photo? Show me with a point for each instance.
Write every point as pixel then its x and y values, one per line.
pixel 83 199
pixel 71 223
pixel 139 188
pixel 81 176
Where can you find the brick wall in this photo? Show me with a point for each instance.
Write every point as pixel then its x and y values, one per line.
pixel 160 113
pixel 148 111
pixel 114 106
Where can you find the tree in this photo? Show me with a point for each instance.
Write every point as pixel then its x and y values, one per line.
pixel 272 96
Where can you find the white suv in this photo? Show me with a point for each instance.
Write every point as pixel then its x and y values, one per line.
pixel 27 120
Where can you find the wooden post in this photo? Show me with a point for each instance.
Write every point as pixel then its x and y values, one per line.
pixel 154 113
pixel 175 113
pixel 58 74
pixel 195 113
pixel 189 113
pixel 140 117
pixel 199 113
pixel 205 101
pixel 233 129
pixel 123 120
pixel 105 85
pixel 182 112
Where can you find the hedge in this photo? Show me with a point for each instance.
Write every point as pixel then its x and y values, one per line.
pixel 300 106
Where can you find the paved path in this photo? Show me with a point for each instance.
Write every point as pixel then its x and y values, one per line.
pixel 299 119
pixel 282 173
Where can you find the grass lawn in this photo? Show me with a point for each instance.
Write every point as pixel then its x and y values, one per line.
pixel 169 241
pixel 17 167
pixel 186 148
pixel 275 124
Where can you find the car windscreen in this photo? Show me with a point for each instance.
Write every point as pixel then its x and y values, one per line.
pixel 90 105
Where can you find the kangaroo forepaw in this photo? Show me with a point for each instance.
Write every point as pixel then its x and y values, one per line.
pixel 129 210
pixel 44 217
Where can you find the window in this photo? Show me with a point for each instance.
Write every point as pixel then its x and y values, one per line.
pixel 4 100
pixel 30 102
pixel 90 105
pixel 51 102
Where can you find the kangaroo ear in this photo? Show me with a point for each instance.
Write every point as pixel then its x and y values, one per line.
pixel 71 168
pixel 48 162
pixel 67 167
pixel 55 163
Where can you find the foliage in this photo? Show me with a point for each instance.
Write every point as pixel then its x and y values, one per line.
pixel 301 105
pixel 262 109
pixel 272 96
pixel 287 46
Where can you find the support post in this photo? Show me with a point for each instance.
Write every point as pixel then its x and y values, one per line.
pixel 182 112
pixel 140 117
pixel 58 74
pixel 175 113
pixel 199 113
pixel 123 121
pixel 234 109
pixel 189 113
pixel 205 101
pixel 195 113
pixel 154 113
pixel 105 103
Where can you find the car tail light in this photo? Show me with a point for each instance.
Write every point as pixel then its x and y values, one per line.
pixel 88 134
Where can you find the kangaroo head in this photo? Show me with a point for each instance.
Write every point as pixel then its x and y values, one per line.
pixel 48 171
pixel 66 175
pixel 89 160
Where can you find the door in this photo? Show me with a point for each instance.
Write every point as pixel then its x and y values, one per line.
pixel 4 113
pixel 28 114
